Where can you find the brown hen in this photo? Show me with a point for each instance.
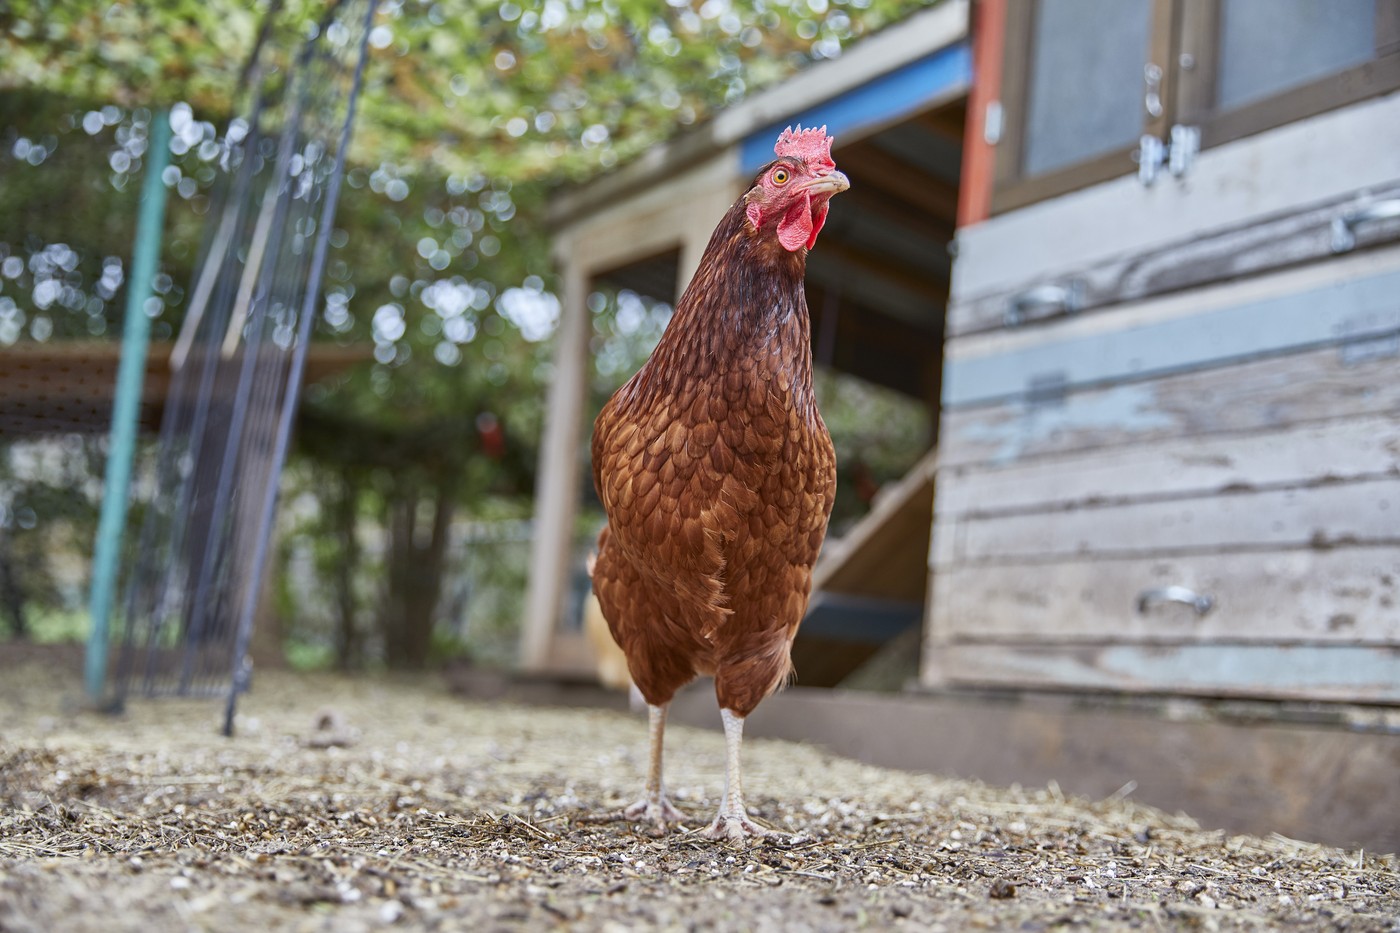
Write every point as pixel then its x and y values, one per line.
pixel 717 472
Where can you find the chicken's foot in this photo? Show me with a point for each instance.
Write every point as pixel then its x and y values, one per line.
pixel 655 807
pixel 733 823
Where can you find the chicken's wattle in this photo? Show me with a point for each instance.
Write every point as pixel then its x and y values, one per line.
pixel 797 228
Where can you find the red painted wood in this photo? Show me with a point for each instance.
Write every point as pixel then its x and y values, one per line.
pixel 979 158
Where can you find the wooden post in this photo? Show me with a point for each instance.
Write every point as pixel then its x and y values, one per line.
pixel 556 489
pixel 979 155
pixel 974 206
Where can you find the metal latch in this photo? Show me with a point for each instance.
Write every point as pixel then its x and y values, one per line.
pixel 1200 602
pixel 1344 227
pixel 1178 153
pixel 1044 301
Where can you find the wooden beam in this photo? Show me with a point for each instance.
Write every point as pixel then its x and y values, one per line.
pixel 896 211
pixel 556 490
pixel 949 122
pixel 1303 772
pixel 870 165
pixel 906 277
pixel 876 347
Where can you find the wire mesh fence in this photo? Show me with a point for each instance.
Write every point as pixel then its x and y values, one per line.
pixel 194 578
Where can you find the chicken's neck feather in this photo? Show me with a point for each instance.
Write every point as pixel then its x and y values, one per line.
pixel 746 301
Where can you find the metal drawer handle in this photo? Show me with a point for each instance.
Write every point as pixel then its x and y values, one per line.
pixel 1174 594
pixel 1344 227
pixel 1046 301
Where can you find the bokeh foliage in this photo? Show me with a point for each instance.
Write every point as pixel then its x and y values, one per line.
pixel 474 111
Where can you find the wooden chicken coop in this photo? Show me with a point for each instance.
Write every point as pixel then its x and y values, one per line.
pixel 1164 371
pixel 1169 448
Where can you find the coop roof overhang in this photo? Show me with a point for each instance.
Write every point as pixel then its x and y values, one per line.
pixel 911 65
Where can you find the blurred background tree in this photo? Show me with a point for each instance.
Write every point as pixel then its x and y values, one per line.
pixel 474 111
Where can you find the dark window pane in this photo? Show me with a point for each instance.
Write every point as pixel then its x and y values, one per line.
pixel 1268 46
pixel 1086 82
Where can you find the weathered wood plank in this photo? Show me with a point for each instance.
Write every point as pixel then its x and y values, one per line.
pixel 1329 450
pixel 1308 777
pixel 1337 673
pixel 1250 180
pixel 1190 303
pixel 1331 314
pixel 1258 245
pixel 1357 379
pixel 1343 596
pixel 1319 516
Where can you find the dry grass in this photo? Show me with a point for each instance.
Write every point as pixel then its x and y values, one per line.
pixel 353 804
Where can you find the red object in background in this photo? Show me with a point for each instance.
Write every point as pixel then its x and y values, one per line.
pixel 493 439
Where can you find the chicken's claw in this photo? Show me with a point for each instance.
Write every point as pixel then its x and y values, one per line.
pixel 655 810
pixel 737 827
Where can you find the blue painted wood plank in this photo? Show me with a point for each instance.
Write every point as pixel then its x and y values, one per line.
pixel 1344 311
pixel 892 95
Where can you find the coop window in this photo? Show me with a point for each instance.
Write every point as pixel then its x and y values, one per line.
pixel 1080 44
pixel 1258 64
pixel 1083 80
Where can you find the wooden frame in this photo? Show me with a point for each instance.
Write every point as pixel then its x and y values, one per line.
pixel 1189 92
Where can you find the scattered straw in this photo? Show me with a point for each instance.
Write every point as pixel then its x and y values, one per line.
pixel 442 813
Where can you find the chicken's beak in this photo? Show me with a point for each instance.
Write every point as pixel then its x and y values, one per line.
pixel 834 183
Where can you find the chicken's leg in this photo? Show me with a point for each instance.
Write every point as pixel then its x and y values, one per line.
pixel 733 821
pixel 655 807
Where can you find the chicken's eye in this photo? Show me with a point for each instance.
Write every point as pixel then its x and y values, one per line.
pixel 781 176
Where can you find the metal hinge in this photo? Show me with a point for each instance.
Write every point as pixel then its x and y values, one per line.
pixel 1178 153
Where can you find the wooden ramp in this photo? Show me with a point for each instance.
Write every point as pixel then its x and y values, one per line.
pixel 869 585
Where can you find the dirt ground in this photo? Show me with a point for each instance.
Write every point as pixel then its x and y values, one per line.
pixel 357 804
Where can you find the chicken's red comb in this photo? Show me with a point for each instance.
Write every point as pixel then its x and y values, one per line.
pixel 812 146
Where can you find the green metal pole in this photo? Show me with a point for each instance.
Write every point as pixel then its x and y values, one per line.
pixel 130 374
